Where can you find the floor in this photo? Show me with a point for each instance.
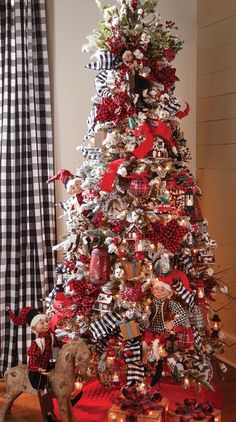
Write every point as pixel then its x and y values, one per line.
pixel 26 408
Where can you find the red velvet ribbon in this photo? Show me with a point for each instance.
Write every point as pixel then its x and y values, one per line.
pixel 180 114
pixel 149 132
pixel 109 176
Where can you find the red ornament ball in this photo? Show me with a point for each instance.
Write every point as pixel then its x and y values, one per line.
pixel 139 186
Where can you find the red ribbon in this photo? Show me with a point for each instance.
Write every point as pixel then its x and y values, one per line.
pixel 191 410
pixel 136 403
pixel 180 114
pixel 149 132
pixel 109 176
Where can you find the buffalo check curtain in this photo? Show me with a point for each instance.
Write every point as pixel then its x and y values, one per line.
pixel 27 222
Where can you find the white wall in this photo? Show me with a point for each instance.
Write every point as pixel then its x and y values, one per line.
pixel 69 21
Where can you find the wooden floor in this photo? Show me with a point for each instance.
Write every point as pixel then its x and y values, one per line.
pixel 26 407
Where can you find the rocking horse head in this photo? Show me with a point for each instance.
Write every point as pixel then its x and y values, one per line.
pixel 74 355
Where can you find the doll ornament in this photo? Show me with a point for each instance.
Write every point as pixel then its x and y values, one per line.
pixel 39 357
pixel 167 317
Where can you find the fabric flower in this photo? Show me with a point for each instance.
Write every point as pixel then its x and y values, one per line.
pixel 114 109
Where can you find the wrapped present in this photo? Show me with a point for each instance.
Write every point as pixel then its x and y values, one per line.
pixel 130 330
pixel 132 269
pixel 137 406
pixel 214 417
pixel 115 414
pixel 190 411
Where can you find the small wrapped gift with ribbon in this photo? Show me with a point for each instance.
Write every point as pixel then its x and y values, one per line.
pixel 138 407
pixel 130 330
pixel 132 269
pixel 190 411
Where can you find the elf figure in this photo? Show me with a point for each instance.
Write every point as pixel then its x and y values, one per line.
pixel 167 317
pixel 39 356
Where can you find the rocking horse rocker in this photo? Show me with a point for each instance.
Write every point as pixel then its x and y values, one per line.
pixel 38 377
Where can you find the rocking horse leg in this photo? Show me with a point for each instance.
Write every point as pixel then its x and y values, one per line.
pixel 46 405
pixel 6 408
pixel 64 407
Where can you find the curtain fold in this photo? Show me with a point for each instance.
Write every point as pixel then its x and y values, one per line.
pixel 27 220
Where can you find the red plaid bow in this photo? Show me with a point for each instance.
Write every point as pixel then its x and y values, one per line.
pixel 136 403
pixel 191 410
pixel 85 296
pixel 170 235
pixel 114 109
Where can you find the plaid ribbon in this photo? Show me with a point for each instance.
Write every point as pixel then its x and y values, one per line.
pixel 85 296
pixel 185 337
pixel 190 409
pixel 170 235
pixel 136 403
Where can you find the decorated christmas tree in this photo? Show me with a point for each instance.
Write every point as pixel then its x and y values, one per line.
pixel 135 281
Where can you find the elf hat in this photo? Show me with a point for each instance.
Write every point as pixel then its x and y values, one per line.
pixel 26 316
pixel 63 175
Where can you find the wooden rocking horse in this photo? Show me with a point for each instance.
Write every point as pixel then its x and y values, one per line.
pixel 73 354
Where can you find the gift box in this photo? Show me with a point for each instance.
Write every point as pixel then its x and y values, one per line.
pixel 115 414
pixel 130 330
pixel 132 269
pixel 214 417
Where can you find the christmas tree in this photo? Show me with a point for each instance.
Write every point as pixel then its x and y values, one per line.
pixel 135 281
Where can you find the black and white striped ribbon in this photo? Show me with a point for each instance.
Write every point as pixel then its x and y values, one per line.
pixel 106 325
pixel 187 296
pixel 135 373
pixel 101 84
pixel 186 262
pixel 171 106
pixel 134 346
pixel 106 60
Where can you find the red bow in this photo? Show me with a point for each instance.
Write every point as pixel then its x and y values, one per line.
pixel 148 132
pixel 191 410
pixel 136 403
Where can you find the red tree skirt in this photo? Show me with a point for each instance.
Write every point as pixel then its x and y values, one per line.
pixel 97 399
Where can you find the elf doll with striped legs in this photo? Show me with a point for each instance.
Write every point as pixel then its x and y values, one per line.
pixel 39 357
pixel 167 317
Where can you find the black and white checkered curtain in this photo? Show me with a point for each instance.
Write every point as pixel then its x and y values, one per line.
pixel 26 161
